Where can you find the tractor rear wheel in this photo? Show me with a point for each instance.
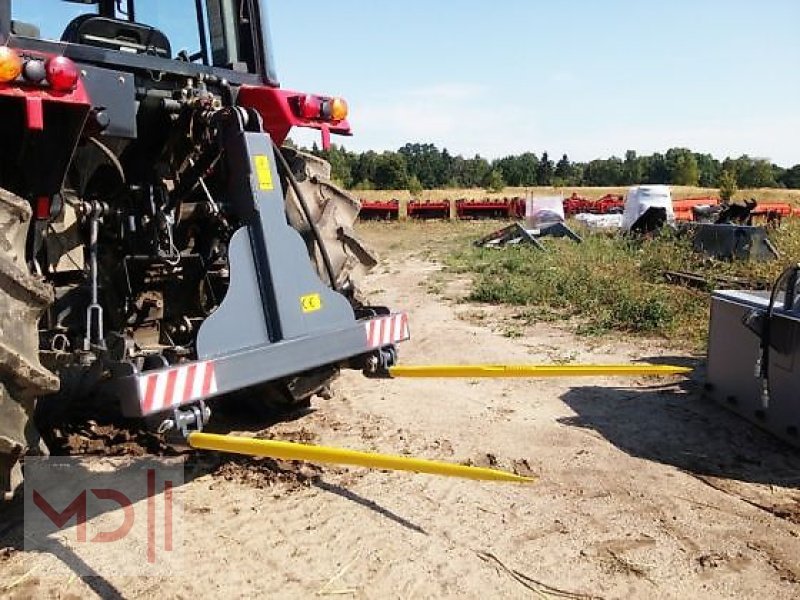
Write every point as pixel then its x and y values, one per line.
pixel 23 297
pixel 334 212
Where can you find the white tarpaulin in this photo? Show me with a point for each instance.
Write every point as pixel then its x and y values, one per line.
pixel 600 221
pixel 640 198
pixel 544 210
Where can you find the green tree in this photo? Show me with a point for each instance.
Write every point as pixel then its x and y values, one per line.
pixel 425 162
pixel 473 172
pixel 364 167
pixel 494 181
pixel 564 171
pixel 656 169
pixel 604 173
pixel 340 160
pixel 727 185
pixel 758 174
pixel 519 170
pixel 509 167
pixel 391 172
pixel 544 174
pixel 414 186
pixel 528 168
pixel 632 169
pixel 709 168
pixel 791 178
pixel 682 167
pixel 685 170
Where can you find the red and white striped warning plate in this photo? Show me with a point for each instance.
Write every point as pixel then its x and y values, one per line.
pixel 387 330
pixel 163 390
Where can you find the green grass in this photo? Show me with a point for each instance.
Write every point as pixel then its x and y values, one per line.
pixel 610 283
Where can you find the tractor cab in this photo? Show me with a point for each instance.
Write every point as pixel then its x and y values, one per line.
pixel 166 247
pixel 227 37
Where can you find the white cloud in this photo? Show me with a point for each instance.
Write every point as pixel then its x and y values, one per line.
pixel 465 118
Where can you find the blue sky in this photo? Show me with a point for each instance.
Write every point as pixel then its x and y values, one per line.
pixel 586 78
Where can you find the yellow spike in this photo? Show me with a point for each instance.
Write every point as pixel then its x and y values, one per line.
pixel 325 454
pixel 535 370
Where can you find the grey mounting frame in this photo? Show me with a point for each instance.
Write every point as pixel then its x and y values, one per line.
pixel 278 318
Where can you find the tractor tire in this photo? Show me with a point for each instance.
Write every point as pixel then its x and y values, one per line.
pixel 334 213
pixel 23 297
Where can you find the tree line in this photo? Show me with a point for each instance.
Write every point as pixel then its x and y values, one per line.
pixel 415 167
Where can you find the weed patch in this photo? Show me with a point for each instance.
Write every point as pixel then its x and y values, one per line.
pixel 611 283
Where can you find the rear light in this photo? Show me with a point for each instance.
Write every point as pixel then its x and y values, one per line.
pixel 62 73
pixel 310 107
pixel 10 64
pixel 34 70
pixel 315 108
pixel 338 109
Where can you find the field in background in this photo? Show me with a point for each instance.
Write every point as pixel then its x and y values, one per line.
pixel 592 193
pixel 607 284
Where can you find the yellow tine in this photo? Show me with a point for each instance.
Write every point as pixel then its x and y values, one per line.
pixel 628 370
pixel 325 454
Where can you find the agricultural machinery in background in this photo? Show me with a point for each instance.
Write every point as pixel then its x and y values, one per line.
pixel 159 247
pixel 700 209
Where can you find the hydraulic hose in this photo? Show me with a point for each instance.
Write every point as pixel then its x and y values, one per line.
pixel 766 338
pixel 326 259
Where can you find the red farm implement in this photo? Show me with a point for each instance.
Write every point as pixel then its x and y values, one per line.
pixel 489 208
pixel 610 203
pixel 429 209
pixel 685 207
pixel 388 210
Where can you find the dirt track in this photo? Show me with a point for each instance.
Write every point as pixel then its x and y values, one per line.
pixel 645 491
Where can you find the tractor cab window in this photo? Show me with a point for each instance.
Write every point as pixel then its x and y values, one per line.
pixel 228 34
pixel 45 19
pixel 177 20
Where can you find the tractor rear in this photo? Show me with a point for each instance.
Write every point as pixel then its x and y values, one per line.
pixel 158 245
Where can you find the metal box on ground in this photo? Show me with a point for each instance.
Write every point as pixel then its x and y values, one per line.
pixel 734 351
pixel 728 241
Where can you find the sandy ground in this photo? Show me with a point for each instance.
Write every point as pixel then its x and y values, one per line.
pixel 645 490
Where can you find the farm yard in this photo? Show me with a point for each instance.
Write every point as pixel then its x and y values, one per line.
pixel 399 300
pixel 645 489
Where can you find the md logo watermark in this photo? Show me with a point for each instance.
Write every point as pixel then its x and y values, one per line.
pixel 105 516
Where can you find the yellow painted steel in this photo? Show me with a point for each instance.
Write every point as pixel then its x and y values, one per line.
pixel 325 454
pixel 534 370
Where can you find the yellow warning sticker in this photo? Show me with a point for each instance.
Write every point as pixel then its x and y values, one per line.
pixel 263 172
pixel 311 303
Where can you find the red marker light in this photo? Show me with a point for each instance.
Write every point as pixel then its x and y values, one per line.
pixel 310 107
pixel 62 73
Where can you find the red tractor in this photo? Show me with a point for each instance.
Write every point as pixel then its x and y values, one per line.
pixel 158 245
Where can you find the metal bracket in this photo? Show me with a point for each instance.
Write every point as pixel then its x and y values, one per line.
pixel 187 419
pixel 378 363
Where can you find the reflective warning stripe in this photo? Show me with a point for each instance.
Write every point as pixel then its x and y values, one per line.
pixel 166 389
pixel 387 330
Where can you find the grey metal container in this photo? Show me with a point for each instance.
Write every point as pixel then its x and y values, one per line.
pixel 734 350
